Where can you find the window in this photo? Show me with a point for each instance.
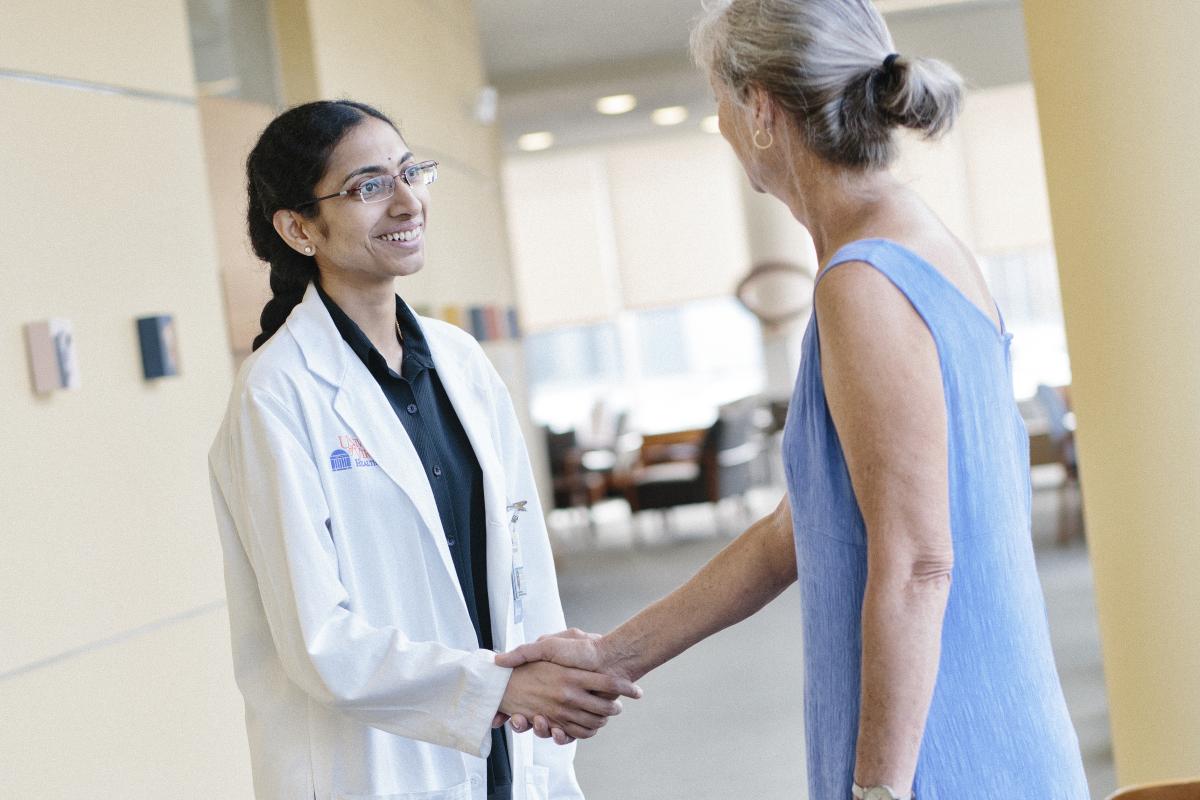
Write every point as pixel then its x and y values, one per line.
pixel 1025 285
pixel 670 368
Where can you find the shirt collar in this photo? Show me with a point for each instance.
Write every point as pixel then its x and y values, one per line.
pixel 416 349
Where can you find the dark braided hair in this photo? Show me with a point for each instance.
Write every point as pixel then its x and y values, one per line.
pixel 283 168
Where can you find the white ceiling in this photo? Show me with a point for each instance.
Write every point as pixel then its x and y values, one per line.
pixel 530 36
pixel 550 59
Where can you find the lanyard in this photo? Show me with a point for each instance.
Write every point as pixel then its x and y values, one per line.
pixel 518 568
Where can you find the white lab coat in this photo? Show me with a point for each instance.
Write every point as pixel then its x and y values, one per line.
pixel 352 645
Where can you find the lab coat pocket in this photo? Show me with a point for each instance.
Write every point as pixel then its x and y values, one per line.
pixel 460 792
pixel 537 782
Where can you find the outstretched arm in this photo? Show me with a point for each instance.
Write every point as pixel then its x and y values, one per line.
pixel 749 573
pixel 753 570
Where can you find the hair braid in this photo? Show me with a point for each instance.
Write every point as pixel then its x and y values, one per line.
pixel 283 168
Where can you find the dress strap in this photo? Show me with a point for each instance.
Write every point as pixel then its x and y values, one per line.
pixel 938 301
pixel 920 283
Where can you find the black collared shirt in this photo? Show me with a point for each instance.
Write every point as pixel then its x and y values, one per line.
pixel 423 407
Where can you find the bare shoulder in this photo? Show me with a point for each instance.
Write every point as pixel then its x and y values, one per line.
pixel 883 384
pixel 880 366
pixel 861 312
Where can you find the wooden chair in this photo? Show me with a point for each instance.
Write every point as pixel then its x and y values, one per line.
pixel 574 486
pixel 1061 435
pixel 1184 790
pixel 697 466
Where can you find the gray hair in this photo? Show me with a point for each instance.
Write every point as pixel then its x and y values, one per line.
pixel 822 61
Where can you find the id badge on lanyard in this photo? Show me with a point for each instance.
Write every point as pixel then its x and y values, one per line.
pixel 518 567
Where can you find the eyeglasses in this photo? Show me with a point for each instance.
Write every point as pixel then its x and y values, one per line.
pixel 381 187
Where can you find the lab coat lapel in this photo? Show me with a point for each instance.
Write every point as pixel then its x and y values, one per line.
pixel 476 419
pixel 364 409
pixel 362 405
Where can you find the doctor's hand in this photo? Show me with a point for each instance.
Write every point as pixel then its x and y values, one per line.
pixel 571 648
pixel 575 702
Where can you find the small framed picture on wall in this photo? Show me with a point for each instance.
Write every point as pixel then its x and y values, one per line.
pixel 160 348
pixel 53 359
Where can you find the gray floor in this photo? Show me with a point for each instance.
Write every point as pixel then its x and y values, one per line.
pixel 723 720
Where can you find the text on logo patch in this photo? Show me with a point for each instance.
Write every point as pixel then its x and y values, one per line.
pixel 350 453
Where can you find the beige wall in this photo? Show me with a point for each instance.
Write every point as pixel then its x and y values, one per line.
pixel 641 223
pixel 560 226
pixel 135 44
pixel 985 178
pixel 677 219
pixel 1005 172
pixel 114 674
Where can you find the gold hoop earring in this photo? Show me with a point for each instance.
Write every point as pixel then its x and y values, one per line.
pixel 308 251
pixel 770 139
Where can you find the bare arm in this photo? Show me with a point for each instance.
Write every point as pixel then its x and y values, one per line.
pixel 749 573
pixel 884 388
pixel 736 583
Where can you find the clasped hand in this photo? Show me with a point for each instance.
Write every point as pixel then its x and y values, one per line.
pixel 565 686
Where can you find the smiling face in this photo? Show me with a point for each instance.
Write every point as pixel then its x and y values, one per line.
pixel 364 243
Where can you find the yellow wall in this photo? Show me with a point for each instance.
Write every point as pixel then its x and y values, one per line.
pixel 230 128
pixel 1116 96
pixel 426 76
pixel 135 44
pixel 114 674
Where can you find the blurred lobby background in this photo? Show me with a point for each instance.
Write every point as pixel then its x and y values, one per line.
pixel 658 301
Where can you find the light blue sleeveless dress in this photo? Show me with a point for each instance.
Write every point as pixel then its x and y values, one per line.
pixel 998 725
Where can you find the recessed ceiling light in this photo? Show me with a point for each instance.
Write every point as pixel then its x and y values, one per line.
pixel 535 141
pixel 616 104
pixel 671 115
pixel 710 124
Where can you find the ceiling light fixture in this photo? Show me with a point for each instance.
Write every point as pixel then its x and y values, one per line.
pixel 671 115
pixel 531 142
pixel 616 104
pixel 710 124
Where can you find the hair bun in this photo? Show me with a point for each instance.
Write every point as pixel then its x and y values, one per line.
pixel 921 94
pixel 830 66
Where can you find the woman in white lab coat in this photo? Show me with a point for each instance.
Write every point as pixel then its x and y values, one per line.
pixel 368 587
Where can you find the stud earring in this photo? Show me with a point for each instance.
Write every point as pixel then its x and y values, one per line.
pixel 770 139
pixel 308 251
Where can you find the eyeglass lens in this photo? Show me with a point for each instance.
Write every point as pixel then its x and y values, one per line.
pixel 383 187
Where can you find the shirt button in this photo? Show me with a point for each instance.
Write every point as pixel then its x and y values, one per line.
pixel 437 472
pixel 475 780
pixel 412 408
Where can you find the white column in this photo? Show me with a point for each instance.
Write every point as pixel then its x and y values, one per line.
pixel 774 235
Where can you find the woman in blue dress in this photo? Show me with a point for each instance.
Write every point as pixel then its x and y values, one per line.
pixel 928 666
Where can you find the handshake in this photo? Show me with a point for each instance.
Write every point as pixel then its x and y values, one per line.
pixel 565 686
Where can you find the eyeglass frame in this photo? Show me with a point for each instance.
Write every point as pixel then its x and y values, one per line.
pixel 401 175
